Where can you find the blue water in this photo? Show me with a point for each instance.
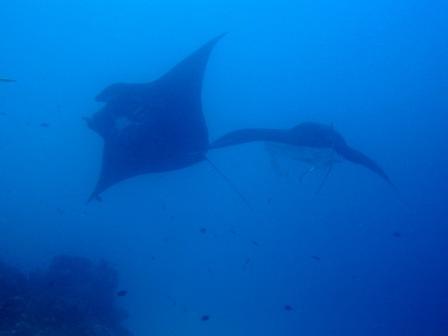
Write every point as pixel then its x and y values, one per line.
pixel 352 259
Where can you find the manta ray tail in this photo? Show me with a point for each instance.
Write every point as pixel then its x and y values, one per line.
pixel 230 183
pixel 357 157
pixel 248 135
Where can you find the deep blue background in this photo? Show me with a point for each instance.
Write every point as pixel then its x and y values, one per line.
pixel 377 70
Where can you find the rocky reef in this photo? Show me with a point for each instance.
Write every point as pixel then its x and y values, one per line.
pixel 73 297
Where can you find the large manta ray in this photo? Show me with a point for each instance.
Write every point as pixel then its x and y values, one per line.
pixel 327 144
pixel 153 127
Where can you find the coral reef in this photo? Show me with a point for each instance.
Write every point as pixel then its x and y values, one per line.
pixel 73 297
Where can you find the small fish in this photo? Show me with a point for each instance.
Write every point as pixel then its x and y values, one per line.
pixel 317 258
pixel 44 125
pixel 288 307
pixel 255 243
pixel 396 234
pixel 246 263
pixel 122 293
pixel 7 80
pixel 205 318
pixel 172 300
pixel 203 230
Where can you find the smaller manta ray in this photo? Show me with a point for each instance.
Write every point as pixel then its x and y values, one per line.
pixel 153 127
pixel 314 143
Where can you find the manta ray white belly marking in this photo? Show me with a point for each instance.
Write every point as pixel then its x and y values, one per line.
pixel 316 158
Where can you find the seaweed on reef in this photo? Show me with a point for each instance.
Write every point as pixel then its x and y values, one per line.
pixel 73 297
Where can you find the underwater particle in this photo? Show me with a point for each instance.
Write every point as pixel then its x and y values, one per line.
pixel 122 293
pixel 203 230
pixel 396 234
pixel 317 258
pixel 172 300
pixel 205 318
pixel 167 239
pixel 98 198
pixel 255 243
pixel 246 263
pixel 44 125
pixel 288 307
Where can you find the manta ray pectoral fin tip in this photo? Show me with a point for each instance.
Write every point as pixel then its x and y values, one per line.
pixel 7 80
pixel 218 38
pixel 90 199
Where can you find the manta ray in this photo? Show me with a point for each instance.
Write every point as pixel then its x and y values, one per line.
pixel 315 143
pixel 153 127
